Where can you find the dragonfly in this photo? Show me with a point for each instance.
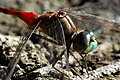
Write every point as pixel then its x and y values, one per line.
pixel 62 31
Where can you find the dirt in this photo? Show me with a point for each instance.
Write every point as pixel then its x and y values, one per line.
pixel 37 53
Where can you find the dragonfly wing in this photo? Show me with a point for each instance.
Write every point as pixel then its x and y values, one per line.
pixel 95 23
pixel 20 48
pixel 53 29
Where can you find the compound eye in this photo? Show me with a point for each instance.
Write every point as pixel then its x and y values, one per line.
pixel 92 43
pixel 81 41
pixel 92 35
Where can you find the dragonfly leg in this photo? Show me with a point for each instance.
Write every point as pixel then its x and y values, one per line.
pixel 85 62
pixel 55 61
pixel 74 57
pixel 57 58
pixel 61 71
pixel 52 41
pixel 72 67
pixel 55 42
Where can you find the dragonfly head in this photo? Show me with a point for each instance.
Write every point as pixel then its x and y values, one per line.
pixel 84 41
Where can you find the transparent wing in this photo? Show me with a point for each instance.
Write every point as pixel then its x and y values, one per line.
pixel 83 20
pixel 17 55
pixel 53 30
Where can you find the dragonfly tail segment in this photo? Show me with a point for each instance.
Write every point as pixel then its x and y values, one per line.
pixel 27 17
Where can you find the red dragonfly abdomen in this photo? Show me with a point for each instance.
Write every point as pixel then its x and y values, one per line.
pixel 27 17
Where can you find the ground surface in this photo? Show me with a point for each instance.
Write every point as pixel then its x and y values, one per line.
pixel 37 55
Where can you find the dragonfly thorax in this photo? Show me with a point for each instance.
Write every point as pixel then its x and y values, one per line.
pixel 66 22
pixel 56 25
